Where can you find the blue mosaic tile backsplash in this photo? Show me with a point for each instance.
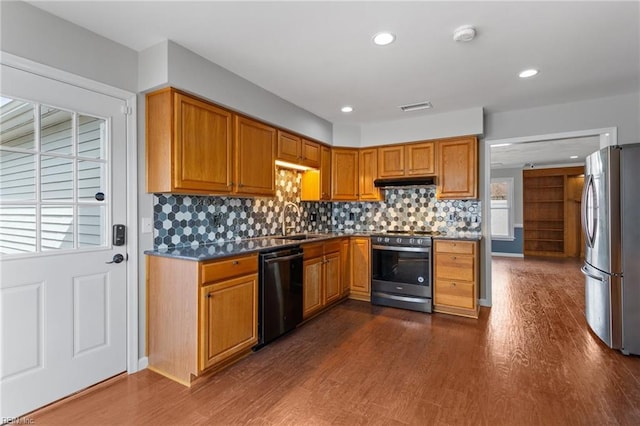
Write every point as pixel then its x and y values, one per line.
pixel 181 220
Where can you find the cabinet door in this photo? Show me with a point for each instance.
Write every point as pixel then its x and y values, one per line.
pixel 325 174
pixel 421 159
pixel 360 266
pixel 312 286
pixel 391 161
pixel 458 168
pixel 332 277
pixel 344 174
pixel 368 168
pixel 310 152
pixel 255 145
pixel 202 146
pixel 229 319
pixel 288 147
pixel 345 258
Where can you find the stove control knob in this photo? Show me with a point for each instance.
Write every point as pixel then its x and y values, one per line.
pixel 413 240
pixel 386 240
pixel 398 240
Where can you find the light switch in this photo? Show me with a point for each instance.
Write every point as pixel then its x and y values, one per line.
pixel 146 225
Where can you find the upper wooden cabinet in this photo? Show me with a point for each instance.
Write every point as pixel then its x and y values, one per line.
pixel 255 148
pixel 458 168
pixel 294 149
pixel 391 161
pixel 420 159
pixel 316 184
pixel 368 170
pixel 344 174
pixel 414 159
pixel 189 145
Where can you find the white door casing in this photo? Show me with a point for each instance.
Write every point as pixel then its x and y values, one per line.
pixel 63 313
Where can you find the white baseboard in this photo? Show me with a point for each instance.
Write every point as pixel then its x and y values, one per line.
pixel 507 254
pixel 143 363
pixel 484 302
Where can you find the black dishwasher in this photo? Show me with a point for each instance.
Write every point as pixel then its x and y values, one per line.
pixel 280 292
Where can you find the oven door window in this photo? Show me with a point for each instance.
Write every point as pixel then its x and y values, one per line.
pixel 401 267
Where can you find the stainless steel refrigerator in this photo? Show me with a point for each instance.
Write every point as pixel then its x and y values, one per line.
pixel 611 226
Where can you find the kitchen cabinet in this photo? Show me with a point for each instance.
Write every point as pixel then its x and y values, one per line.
pixel 297 150
pixel 456 277
pixel 316 184
pixel 458 168
pixel 360 268
pixel 322 276
pixel 202 316
pixel 188 146
pixel 403 160
pixel 344 174
pixel 368 171
pixel 255 148
pixel 345 259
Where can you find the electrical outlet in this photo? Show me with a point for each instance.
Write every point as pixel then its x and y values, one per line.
pixel 352 216
pixel 217 219
pixel 313 217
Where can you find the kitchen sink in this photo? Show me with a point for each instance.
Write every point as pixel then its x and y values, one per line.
pixel 300 237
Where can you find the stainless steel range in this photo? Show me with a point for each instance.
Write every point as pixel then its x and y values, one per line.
pixel 401 270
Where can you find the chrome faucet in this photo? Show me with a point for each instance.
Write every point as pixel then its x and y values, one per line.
pixel 284 217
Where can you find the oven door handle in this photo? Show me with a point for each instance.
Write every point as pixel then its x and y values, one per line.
pixel 412 249
pixel 399 298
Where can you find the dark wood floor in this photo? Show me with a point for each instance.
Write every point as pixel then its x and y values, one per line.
pixel 529 360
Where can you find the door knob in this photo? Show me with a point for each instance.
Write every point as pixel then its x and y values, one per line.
pixel 117 258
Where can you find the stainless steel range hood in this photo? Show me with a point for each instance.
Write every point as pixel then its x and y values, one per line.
pixel 405 181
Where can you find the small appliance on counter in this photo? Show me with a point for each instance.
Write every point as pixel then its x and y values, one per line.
pixel 611 226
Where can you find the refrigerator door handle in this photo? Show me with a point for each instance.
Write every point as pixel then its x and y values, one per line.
pixel 587 273
pixel 584 207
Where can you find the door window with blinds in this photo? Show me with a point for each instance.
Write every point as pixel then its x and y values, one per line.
pixel 53 188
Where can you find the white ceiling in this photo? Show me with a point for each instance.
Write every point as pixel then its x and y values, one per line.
pixel 319 55
pixel 543 153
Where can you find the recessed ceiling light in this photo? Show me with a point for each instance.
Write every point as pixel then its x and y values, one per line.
pixel 528 73
pixel 573 157
pixel 346 108
pixel 384 38
pixel 500 144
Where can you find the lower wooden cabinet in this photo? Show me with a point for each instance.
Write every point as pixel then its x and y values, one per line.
pixel 456 287
pixel 228 319
pixel 322 276
pixel 202 316
pixel 360 268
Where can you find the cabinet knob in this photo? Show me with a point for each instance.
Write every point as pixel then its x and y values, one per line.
pixel 235 262
pixel 453 284
pixel 209 295
pixel 453 257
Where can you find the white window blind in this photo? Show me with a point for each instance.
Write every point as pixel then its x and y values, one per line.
pixel 52 165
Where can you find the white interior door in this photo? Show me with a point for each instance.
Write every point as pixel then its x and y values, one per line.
pixel 62 187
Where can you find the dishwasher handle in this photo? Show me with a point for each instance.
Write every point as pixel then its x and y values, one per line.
pixel 283 258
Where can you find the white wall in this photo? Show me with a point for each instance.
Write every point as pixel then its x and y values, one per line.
pixel 34 34
pixel 193 73
pixel 423 126
pixel 621 111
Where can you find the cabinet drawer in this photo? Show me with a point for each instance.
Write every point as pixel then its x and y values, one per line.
pixel 332 246
pixel 462 247
pixel 312 250
pixel 455 293
pixel 228 268
pixel 455 267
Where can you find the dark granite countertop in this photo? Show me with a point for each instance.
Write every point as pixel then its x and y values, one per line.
pixel 218 250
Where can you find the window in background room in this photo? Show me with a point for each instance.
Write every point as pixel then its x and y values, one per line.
pixel 502 208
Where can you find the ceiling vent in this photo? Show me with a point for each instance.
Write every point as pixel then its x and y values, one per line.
pixel 416 107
